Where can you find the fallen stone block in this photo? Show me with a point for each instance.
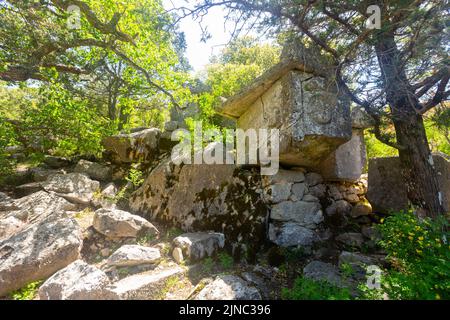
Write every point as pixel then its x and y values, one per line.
pixel 74 187
pixel 116 223
pixel 94 170
pixel 228 287
pixel 145 286
pixel 77 281
pixel 134 255
pixel 37 252
pixel 199 245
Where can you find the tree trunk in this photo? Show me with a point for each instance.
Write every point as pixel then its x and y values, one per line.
pixel 416 161
pixel 417 165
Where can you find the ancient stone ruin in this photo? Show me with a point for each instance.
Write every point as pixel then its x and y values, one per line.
pixel 69 222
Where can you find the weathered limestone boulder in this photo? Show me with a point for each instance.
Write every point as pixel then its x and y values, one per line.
pixel 348 161
pixel 40 206
pixel 9 226
pixel 219 198
pixel 387 191
pixel 229 287
pixel 116 223
pixel 141 146
pixel 77 281
pixel 134 255
pixel 311 113
pixel 37 252
pixel 322 271
pixel 94 170
pixel 199 245
pixel 291 234
pixel 145 286
pixel 75 187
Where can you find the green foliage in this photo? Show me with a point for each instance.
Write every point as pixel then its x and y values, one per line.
pixel 26 293
pixel 347 270
pixel 437 133
pixel 135 177
pixel 307 289
pixel 375 148
pixel 438 129
pixel 226 261
pixel 7 138
pixel 146 239
pixel 65 124
pixel 238 64
pixel 173 233
pixel 420 254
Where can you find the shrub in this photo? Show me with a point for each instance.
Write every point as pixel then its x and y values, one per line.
pixel 26 293
pixel 420 256
pixel 307 289
pixel 226 261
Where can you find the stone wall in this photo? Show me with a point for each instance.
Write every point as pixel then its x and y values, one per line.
pixel 294 208
pixel 387 191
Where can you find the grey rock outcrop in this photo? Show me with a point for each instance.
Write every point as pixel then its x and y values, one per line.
pixel 134 255
pixel 116 223
pixel 77 281
pixel 199 245
pixel 74 187
pixel 94 170
pixel 37 252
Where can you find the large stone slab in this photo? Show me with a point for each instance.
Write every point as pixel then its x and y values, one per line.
pixel 75 187
pixel 291 234
pixel 145 286
pixel 94 170
pixel 387 191
pixel 116 223
pixel 138 146
pixel 347 162
pixel 37 252
pixel 77 281
pixel 134 255
pixel 40 206
pixel 311 113
pixel 199 245
pixel 228 287
pixel 217 198
pixel 306 214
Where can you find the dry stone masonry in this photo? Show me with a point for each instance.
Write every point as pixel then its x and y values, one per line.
pixel 72 225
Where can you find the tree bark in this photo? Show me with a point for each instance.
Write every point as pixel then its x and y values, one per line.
pixel 416 160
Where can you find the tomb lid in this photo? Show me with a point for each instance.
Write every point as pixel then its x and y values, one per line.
pixel 235 106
